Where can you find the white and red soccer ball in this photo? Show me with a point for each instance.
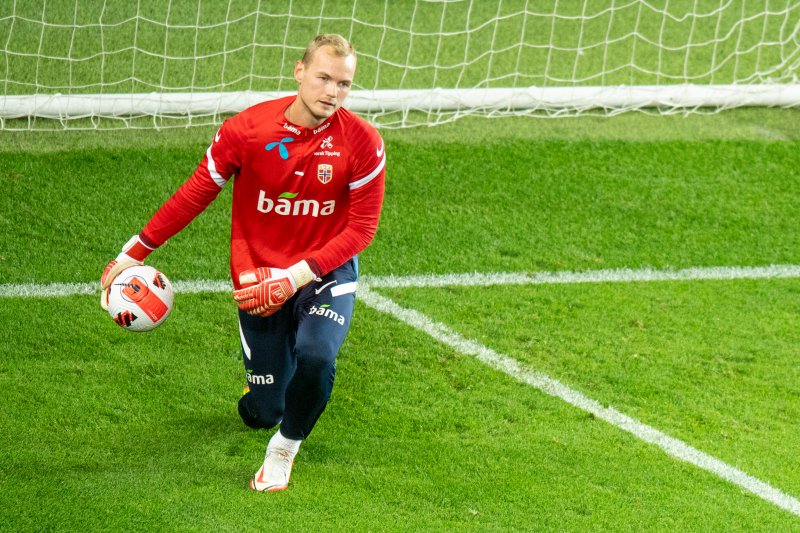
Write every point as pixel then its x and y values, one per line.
pixel 140 298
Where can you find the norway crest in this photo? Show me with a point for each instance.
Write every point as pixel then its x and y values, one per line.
pixel 324 173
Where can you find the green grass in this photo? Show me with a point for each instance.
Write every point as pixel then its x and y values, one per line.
pixel 140 433
pixel 677 356
pixel 106 430
pixel 521 200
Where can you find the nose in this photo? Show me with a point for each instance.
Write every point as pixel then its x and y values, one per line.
pixel 332 89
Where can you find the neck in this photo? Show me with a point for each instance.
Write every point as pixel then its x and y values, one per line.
pixel 297 114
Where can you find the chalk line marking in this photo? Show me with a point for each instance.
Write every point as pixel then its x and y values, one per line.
pixel 54 290
pixel 672 446
pixel 622 275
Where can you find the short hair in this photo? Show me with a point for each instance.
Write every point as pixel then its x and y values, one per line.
pixel 341 46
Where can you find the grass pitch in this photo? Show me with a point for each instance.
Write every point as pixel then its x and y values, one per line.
pixel 102 429
pixel 105 430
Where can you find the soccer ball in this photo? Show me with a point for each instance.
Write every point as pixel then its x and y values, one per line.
pixel 140 298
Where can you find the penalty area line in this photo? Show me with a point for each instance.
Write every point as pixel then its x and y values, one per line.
pixel 672 446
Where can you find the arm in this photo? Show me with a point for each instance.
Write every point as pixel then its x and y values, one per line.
pixel 367 184
pixel 221 161
pixel 218 165
pixel 363 216
pixel 189 200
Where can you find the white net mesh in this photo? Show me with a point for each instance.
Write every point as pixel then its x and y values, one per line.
pixel 162 63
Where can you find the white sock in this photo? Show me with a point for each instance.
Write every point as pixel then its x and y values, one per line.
pixel 279 441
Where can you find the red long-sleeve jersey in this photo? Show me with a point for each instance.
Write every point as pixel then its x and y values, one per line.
pixel 298 193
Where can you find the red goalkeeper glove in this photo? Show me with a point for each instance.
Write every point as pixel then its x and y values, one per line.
pixel 265 289
pixel 133 253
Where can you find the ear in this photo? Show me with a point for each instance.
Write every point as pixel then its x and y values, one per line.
pixel 299 70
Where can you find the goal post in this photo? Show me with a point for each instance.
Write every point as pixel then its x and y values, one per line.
pixel 97 64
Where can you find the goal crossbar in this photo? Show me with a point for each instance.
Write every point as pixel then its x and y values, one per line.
pixel 59 106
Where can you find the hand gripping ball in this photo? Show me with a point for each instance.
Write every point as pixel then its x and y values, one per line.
pixel 140 298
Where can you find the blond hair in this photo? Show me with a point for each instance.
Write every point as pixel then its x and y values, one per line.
pixel 341 46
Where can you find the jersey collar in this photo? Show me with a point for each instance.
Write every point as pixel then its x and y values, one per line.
pixel 302 131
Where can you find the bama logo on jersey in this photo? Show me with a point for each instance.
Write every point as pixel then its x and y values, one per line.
pixel 287 204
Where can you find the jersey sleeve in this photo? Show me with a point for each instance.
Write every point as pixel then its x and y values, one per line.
pixel 366 185
pixel 221 161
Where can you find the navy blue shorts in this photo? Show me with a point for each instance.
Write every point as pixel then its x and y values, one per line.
pixel 290 356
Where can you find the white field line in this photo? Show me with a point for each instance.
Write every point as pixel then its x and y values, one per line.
pixel 626 275
pixel 548 385
pixel 51 290
pixel 623 275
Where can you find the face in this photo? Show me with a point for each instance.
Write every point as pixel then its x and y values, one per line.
pixel 324 83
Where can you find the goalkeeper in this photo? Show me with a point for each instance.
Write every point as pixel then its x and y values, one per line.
pixel 308 184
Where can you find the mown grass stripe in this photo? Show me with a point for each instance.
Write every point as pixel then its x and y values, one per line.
pixel 672 446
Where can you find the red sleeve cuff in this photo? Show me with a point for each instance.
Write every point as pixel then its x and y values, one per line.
pixel 312 264
pixel 147 242
pixel 139 250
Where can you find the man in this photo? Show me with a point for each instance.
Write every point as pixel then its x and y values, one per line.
pixel 308 188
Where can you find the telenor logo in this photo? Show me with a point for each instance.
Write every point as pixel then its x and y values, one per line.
pixel 281 148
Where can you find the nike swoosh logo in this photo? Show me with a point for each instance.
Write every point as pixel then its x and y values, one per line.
pixel 379 151
pixel 317 291
pixel 217 137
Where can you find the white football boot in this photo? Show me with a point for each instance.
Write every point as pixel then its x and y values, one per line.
pixel 274 473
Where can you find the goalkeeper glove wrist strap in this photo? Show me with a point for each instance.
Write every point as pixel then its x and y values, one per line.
pixel 302 273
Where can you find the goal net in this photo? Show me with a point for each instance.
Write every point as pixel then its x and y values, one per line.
pixel 165 63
